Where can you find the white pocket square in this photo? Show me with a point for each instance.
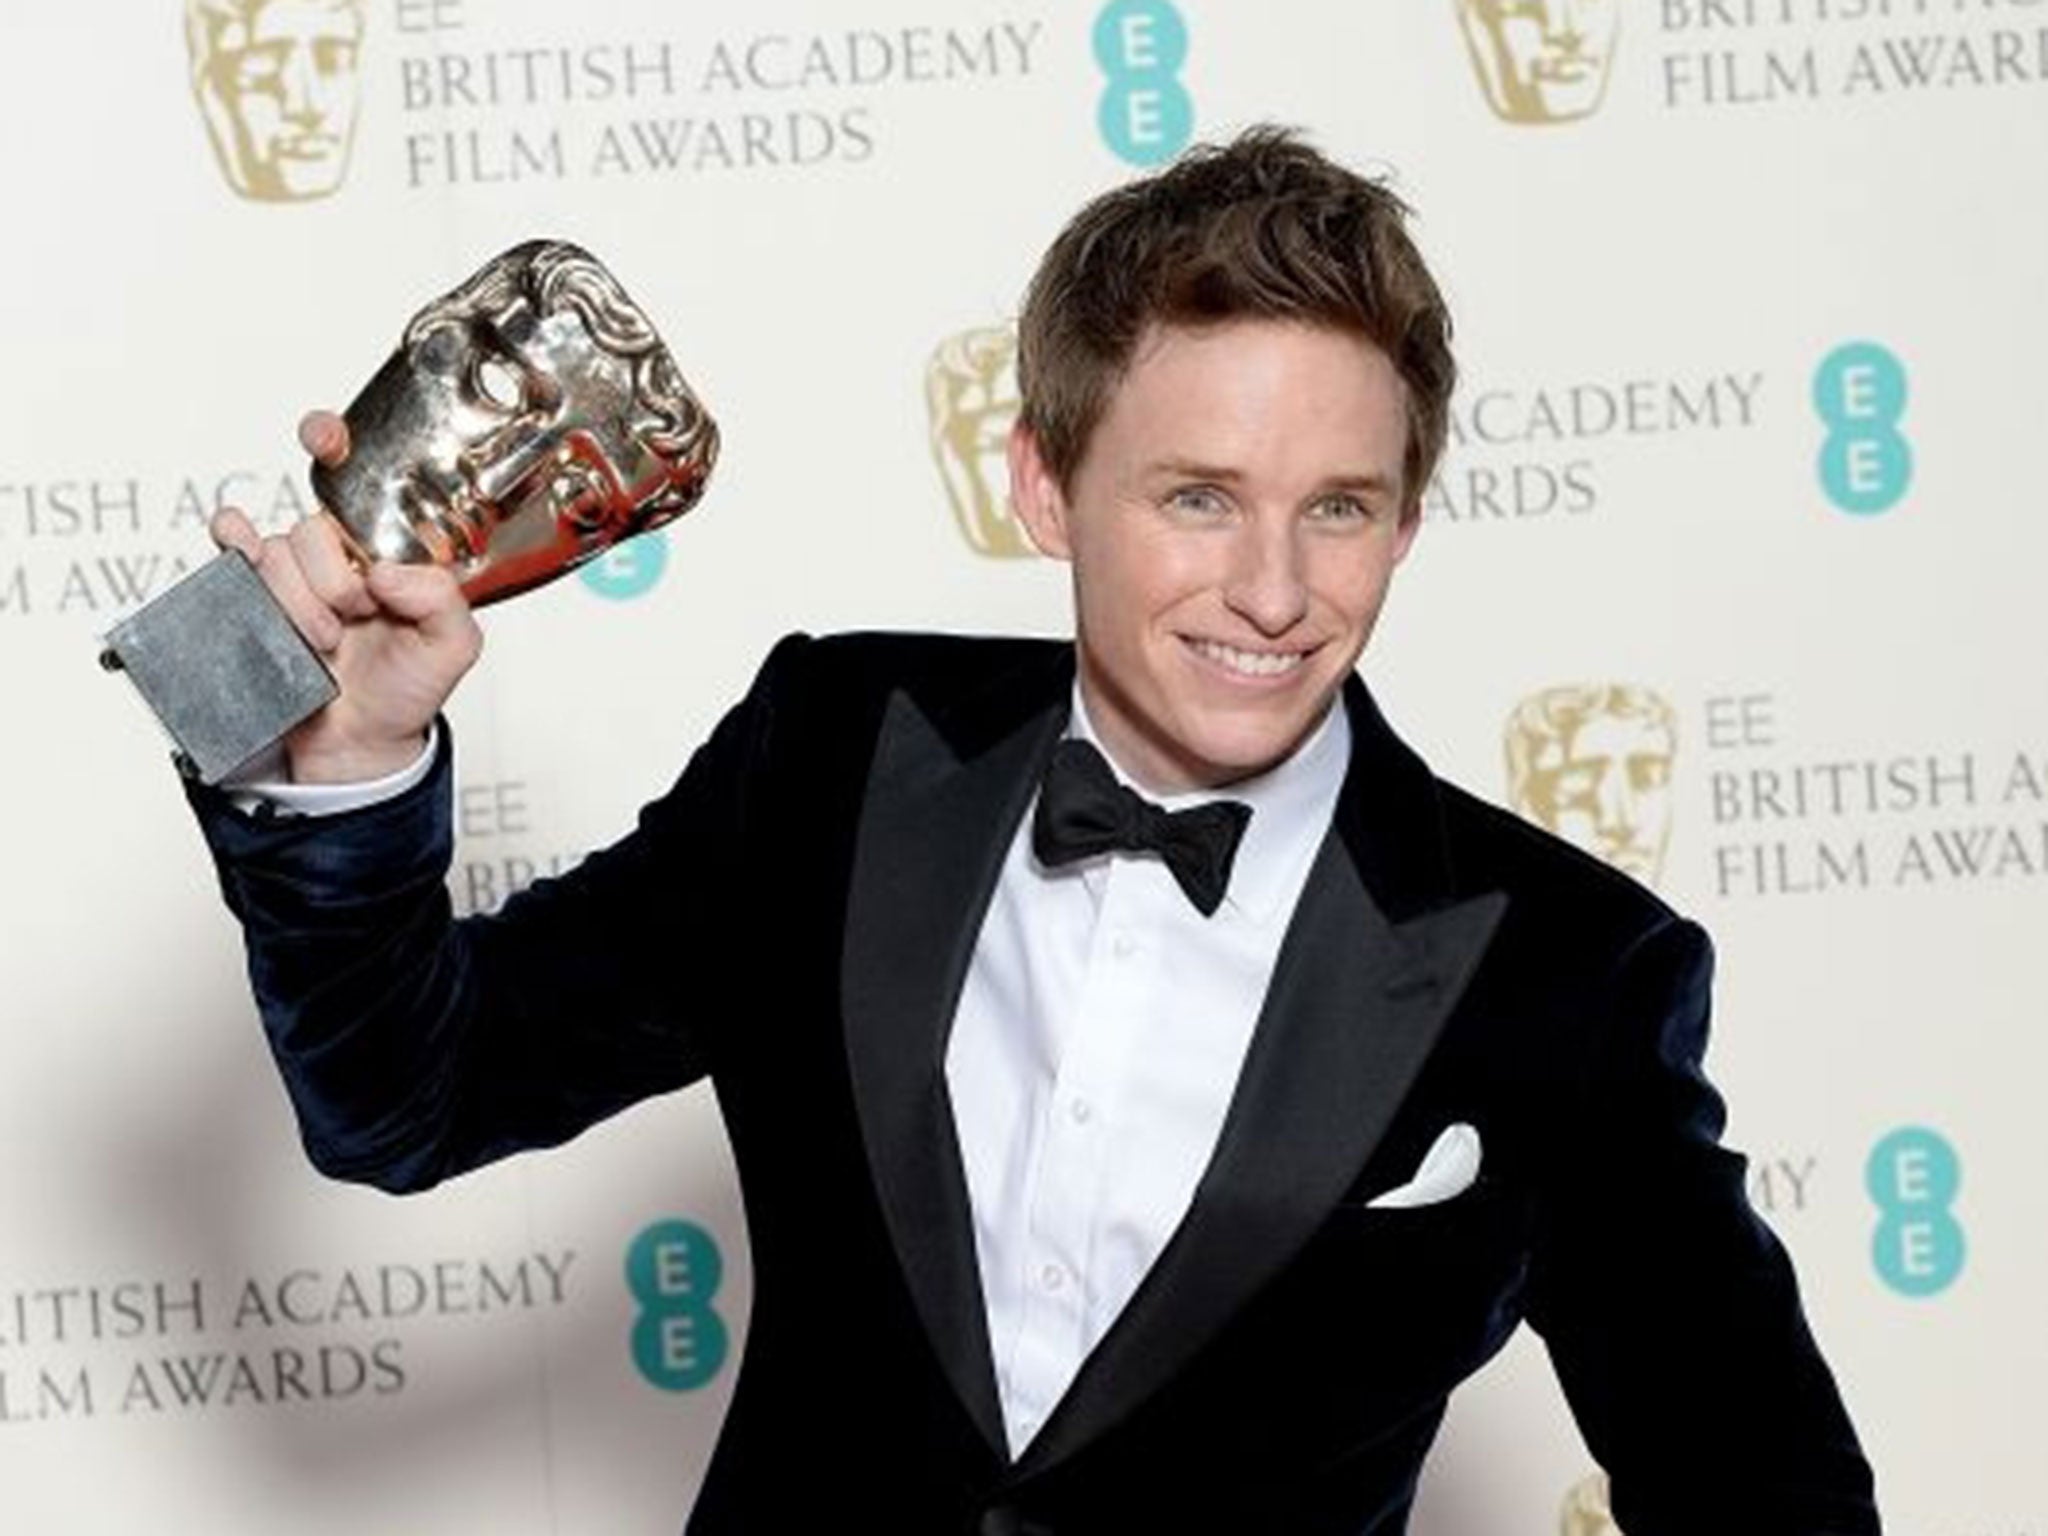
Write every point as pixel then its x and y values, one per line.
pixel 1448 1169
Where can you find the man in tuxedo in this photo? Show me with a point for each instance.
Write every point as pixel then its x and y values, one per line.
pixel 1168 1086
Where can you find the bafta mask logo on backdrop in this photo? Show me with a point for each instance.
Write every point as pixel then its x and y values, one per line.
pixel 1542 61
pixel 1592 763
pixel 276 82
pixel 1585 1511
pixel 970 392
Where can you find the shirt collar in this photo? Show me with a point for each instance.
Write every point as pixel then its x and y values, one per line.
pixel 1291 803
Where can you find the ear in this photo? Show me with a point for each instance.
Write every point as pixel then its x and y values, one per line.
pixel 1035 493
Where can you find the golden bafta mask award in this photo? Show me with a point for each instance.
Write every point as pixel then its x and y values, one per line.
pixel 529 420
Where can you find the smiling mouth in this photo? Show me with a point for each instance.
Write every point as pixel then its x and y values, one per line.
pixel 1243 663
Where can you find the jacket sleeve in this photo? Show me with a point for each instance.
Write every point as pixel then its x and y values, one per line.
pixel 1670 1311
pixel 414 1045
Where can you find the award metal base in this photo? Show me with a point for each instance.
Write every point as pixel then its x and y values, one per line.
pixel 221 666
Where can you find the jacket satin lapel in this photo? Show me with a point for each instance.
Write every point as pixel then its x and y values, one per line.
pixel 934 828
pixel 1355 1006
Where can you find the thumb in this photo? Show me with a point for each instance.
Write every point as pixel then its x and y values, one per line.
pixel 324 435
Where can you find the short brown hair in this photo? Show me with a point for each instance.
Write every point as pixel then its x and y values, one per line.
pixel 1263 227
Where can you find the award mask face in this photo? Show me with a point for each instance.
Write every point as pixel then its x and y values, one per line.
pixel 971 398
pixel 529 420
pixel 1592 763
pixel 276 81
pixel 1542 61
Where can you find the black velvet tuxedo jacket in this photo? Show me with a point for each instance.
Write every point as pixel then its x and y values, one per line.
pixel 795 918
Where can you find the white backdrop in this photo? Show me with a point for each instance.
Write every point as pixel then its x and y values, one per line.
pixel 1749 301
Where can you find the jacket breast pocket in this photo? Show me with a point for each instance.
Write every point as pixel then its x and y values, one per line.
pixel 1474 1243
pixel 1483 1197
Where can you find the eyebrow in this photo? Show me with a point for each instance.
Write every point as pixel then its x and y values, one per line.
pixel 1194 469
pixel 1191 469
pixel 1367 482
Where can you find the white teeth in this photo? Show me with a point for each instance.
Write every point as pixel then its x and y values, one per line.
pixel 1251 663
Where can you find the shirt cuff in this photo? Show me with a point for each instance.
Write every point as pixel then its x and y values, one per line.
pixel 262 783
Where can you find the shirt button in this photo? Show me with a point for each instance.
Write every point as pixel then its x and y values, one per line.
pixel 1123 946
pixel 1080 1112
pixel 1052 1277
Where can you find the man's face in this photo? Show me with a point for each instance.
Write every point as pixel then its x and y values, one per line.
pixel 279 89
pixel 1542 60
pixel 1612 793
pixel 1233 525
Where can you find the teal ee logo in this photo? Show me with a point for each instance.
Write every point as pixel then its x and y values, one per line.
pixel 629 569
pixel 1145 115
pixel 1866 464
pixel 673 1270
pixel 1913 1176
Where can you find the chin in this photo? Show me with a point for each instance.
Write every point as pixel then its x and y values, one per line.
pixel 1224 756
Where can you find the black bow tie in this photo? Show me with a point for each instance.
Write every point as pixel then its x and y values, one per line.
pixel 1083 810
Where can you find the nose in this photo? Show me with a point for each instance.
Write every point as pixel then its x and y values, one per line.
pixel 1267 584
pixel 301 88
pixel 1613 805
pixel 500 463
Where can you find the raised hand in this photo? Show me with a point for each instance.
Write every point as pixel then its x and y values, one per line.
pixel 398 637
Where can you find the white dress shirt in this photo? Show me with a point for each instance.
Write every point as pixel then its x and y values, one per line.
pixel 1095 1049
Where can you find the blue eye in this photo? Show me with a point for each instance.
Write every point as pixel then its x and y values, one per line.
pixel 1202 500
pixel 1340 509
